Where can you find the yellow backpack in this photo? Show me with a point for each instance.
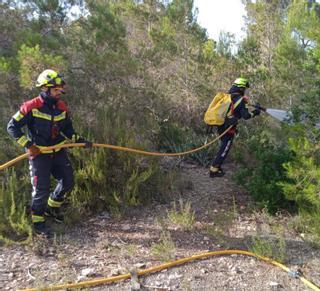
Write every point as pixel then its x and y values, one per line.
pixel 218 109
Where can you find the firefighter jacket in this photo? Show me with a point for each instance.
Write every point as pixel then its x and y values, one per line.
pixel 240 107
pixel 47 120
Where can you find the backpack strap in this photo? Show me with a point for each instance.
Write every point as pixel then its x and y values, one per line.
pixel 233 106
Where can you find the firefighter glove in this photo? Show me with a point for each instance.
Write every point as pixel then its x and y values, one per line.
pixel 256 112
pixel 88 144
pixel 257 106
pixel 33 151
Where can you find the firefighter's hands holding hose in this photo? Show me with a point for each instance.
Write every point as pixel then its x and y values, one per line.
pixel 257 110
pixel 33 151
pixel 88 144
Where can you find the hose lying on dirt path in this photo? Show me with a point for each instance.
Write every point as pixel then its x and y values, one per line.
pixel 101 281
pixel 117 148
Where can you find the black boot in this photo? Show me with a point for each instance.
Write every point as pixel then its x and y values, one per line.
pixel 40 228
pixel 216 172
pixel 55 213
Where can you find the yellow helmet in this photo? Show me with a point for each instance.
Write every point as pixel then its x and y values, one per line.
pixel 241 83
pixel 49 78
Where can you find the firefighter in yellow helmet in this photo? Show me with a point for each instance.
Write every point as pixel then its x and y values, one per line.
pixel 48 122
pixel 237 110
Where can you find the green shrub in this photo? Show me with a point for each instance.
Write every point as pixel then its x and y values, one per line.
pixel 265 169
pixel 303 173
pixel 174 138
pixel 116 179
pixel 270 247
pixel 302 185
pixel 165 249
pixel 14 223
pixel 308 225
pixel 182 214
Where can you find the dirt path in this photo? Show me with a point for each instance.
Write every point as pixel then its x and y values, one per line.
pixel 224 219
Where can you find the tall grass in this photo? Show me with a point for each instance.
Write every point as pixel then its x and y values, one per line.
pixel 14 222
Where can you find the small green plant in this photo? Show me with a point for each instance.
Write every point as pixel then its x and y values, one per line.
pixel 220 227
pixel 116 212
pixel 269 240
pixel 161 222
pixel 234 208
pixel 14 223
pixel 221 223
pixel 271 247
pixel 308 226
pixel 182 214
pixel 299 224
pixel 129 249
pixel 164 250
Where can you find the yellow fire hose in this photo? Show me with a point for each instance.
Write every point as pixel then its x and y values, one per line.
pixel 100 281
pixel 113 147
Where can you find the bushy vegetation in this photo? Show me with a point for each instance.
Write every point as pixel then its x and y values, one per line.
pixel 263 170
pixel 141 74
pixel 14 223
pixel 302 185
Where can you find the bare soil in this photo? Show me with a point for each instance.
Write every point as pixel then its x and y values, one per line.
pixel 225 218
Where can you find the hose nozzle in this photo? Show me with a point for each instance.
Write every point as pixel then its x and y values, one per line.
pixel 258 106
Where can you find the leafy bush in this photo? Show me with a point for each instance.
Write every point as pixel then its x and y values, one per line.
pixel 308 225
pixel 116 179
pixel 303 173
pixel 302 184
pixel 265 169
pixel 182 214
pixel 165 249
pixel 14 222
pixel 270 247
pixel 174 138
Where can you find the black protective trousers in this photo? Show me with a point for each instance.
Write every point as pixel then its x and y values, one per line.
pixel 225 146
pixel 41 168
